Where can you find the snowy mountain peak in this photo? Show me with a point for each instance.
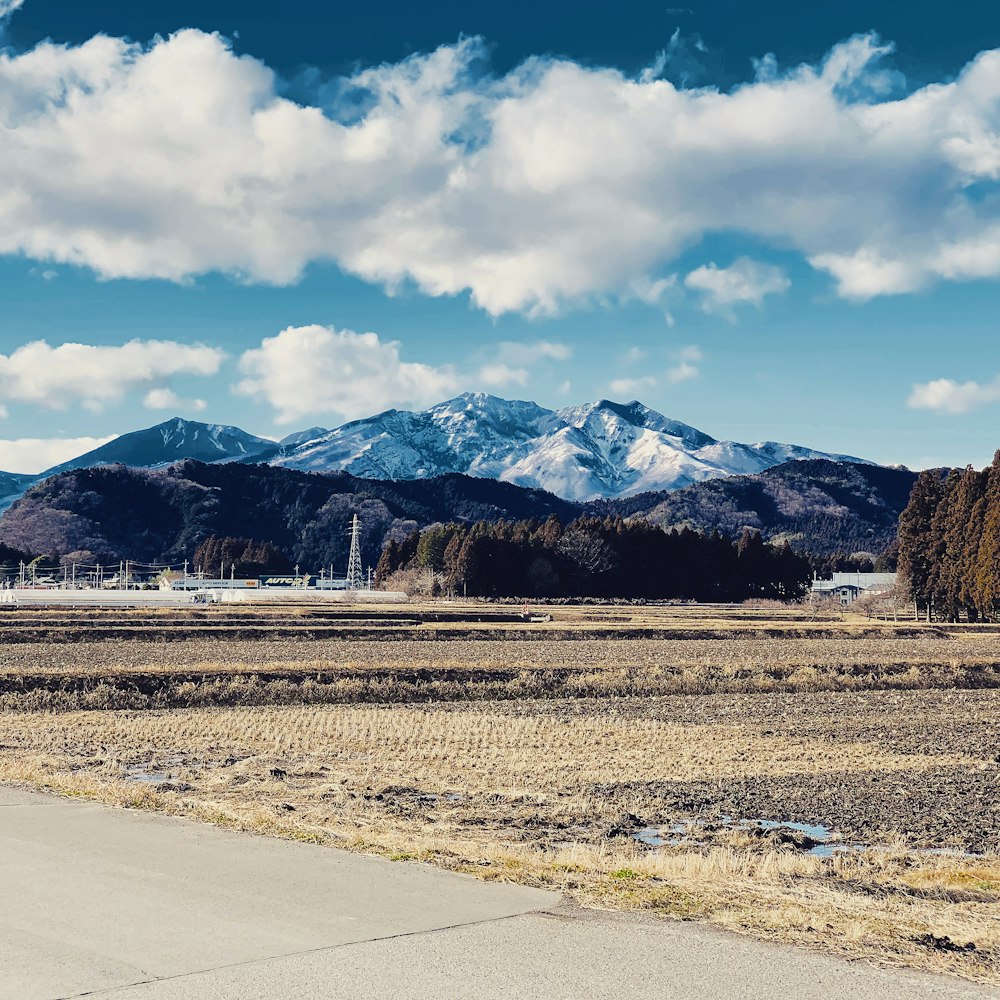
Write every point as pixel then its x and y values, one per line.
pixel 599 449
pixel 172 440
pixel 300 437
pixel 611 414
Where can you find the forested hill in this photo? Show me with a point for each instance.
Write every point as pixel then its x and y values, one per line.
pixel 816 505
pixel 115 512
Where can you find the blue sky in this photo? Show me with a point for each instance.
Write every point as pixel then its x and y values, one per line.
pixel 769 224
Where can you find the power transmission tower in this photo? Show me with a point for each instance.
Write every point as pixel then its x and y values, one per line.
pixel 355 574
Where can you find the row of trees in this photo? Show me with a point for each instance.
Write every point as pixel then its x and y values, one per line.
pixel 949 543
pixel 239 557
pixel 595 557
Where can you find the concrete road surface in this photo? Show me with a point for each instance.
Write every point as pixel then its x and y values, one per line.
pixel 132 906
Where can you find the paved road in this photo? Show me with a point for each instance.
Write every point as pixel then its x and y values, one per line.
pixel 133 906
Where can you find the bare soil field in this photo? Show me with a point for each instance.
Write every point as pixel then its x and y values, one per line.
pixel 839 791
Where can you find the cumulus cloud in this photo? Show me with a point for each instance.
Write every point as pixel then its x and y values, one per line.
pixel 167 399
pixel 744 282
pixel 33 455
pixel 308 370
pixel 948 396
pixel 551 185
pixel 57 377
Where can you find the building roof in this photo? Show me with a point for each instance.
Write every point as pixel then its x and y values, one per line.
pixel 864 580
pixel 855 581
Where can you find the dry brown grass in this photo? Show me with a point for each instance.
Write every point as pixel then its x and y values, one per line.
pixel 519 796
pixel 206 672
pixel 538 760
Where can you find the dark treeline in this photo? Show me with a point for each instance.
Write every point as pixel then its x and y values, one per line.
pixel 949 543
pixel 597 557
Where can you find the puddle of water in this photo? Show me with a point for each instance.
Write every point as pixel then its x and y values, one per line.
pixel 823 835
pixel 825 844
pixel 148 777
pixel 814 831
pixel 654 835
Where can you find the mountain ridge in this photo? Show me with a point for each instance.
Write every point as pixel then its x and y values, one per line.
pixel 584 452
pixel 115 512
pixel 603 449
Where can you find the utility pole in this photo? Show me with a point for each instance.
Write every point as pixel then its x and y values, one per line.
pixel 355 574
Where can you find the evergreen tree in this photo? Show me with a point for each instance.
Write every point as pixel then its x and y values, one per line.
pixel 988 554
pixel 916 540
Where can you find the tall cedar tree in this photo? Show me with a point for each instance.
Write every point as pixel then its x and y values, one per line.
pixel 949 544
pixel 916 540
pixel 988 556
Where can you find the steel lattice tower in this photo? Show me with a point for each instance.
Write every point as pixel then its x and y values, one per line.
pixel 355 575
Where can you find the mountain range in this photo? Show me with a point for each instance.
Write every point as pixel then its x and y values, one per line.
pixel 118 512
pixel 597 450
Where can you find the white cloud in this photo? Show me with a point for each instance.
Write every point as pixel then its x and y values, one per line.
pixel 684 367
pixel 551 185
pixel 632 386
pixel 57 377
pixel 32 455
pixel 497 375
pixel 656 293
pixel 7 7
pixel 167 399
pixel 309 370
pixel 948 396
pixel 514 359
pixel 686 364
pixel 744 282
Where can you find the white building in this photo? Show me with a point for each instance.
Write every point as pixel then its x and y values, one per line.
pixel 848 587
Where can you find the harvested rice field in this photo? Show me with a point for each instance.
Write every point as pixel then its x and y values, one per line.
pixel 839 789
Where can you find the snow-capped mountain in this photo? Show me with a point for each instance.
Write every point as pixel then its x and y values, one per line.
pixel 601 449
pixel 170 442
pixel 152 447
